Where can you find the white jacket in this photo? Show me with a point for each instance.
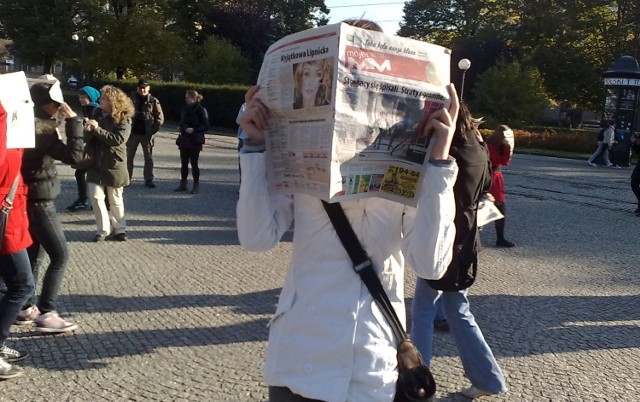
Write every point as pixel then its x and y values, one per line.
pixel 328 340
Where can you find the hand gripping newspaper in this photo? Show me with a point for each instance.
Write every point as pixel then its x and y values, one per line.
pixel 344 105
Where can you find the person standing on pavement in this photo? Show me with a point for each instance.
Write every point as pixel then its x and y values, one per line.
pixel 474 180
pixel 15 269
pixel 500 145
pixel 40 176
pixel 88 97
pixel 146 122
pixel 107 176
pixel 606 139
pixel 327 339
pixel 194 123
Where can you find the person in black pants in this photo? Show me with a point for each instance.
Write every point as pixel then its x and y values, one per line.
pixel 89 98
pixel 194 123
pixel 40 176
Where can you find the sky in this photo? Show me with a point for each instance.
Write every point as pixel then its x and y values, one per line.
pixel 387 13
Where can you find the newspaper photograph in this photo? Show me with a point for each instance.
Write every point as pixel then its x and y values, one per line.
pixel 345 103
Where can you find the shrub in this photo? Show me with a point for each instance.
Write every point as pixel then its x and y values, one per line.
pixel 579 141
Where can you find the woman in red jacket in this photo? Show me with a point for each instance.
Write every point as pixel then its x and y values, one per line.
pixel 15 269
pixel 500 145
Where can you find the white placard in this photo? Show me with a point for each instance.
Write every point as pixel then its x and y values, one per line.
pixel 16 100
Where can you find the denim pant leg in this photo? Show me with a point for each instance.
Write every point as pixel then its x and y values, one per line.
pixel 423 313
pixel 601 148
pixel 46 231
pixel 479 364
pixel 16 274
pixel 147 150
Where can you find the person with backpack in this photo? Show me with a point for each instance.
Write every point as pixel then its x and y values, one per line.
pixel 606 137
pixel 474 179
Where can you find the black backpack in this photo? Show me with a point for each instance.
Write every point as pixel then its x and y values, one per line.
pixel 463 269
pixel 601 134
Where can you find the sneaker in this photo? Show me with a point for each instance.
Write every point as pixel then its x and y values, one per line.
pixel 473 392
pixel 592 164
pixel 11 355
pixel 27 316
pixel 615 167
pixel 52 323
pixel 8 371
pixel 504 243
pixel 99 238
pixel 78 206
pixel 120 237
pixel 150 184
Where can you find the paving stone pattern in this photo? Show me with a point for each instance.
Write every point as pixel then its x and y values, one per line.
pixel 179 312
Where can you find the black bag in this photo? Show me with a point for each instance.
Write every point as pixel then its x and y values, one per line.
pixel 462 271
pixel 415 382
pixel 7 206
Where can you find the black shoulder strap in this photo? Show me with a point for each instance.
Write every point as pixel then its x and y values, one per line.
pixel 363 267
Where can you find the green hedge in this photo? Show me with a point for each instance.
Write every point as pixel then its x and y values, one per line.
pixel 580 141
pixel 221 101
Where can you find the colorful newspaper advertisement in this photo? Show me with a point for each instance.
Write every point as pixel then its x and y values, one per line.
pixel 345 103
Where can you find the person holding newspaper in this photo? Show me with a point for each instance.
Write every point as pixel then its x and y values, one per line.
pixel 328 340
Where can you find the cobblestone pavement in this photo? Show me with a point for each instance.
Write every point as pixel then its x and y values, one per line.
pixel 178 312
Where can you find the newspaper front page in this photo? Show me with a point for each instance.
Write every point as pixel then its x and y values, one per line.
pixel 345 103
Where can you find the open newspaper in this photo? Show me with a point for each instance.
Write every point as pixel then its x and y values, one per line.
pixel 345 103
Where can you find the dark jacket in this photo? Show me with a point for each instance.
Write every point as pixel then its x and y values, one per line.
pixel 38 164
pixel 148 114
pixel 106 146
pixel 193 116
pixel 474 179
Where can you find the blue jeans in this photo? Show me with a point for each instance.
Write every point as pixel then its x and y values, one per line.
pixel 46 231
pixel 479 364
pixel 15 271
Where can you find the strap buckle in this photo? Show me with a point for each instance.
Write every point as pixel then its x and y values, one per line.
pixel 363 265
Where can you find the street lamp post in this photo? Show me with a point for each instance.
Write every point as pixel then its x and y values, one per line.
pixel 463 65
pixel 76 37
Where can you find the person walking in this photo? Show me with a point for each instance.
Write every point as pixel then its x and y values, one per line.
pixel 474 179
pixel 41 177
pixel 15 269
pixel 88 97
pixel 606 139
pixel 146 122
pixel 194 123
pixel 107 176
pixel 500 145
pixel 327 339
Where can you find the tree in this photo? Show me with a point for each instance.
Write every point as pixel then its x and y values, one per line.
pixel 221 63
pixel 254 25
pixel 510 94
pixel 41 30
